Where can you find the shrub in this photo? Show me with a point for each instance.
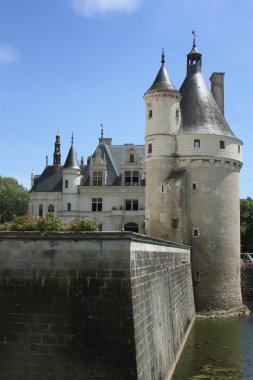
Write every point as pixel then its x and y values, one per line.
pixel 83 224
pixel 49 223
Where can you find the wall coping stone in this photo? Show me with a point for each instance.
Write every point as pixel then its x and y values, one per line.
pixel 72 235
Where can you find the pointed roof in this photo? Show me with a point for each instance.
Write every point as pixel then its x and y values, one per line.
pixel 71 160
pixel 162 81
pixel 200 112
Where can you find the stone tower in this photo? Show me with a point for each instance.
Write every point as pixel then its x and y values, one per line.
pixel 201 171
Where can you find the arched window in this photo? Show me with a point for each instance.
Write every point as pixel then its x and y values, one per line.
pixel 50 208
pixel 40 210
pixel 133 227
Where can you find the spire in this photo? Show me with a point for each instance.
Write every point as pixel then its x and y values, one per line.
pixel 162 81
pixel 57 150
pixel 194 58
pixel 102 132
pixel 163 56
pixel 194 38
pixel 71 160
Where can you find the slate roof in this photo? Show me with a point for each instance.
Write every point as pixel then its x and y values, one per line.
pixel 71 160
pixel 114 155
pixel 162 81
pixel 200 112
pixel 49 180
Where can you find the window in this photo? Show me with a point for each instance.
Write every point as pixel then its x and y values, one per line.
pixel 40 211
pixel 196 143
pixel 222 144
pixel 149 148
pixel 195 232
pixel 50 208
pixel 133 227
pixel 69 206
pixel 131 158
pixel 131 178
pixel 97 204
pixel 177 114
pixel 174 223
pixel 194 186
pixel 150 114
pixel 97 178
pixel 131 204
pixel 239 149
pixel 66 183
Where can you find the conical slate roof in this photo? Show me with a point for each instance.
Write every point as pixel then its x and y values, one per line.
pixel 200 112
pixel 71 160
pixel 162 81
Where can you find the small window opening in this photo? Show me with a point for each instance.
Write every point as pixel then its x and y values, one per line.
pixel 50 208
pixel 40 211
pixel 66 183
pixel 194 186
pixel 174 223
pixel 131 158
pixel 196 143
pixel 195 232
pixel 177 114
pixel 149 148
pixel 69 206
pixel 222 144
pixel 150 114
pixel 197 277
pixel 239 149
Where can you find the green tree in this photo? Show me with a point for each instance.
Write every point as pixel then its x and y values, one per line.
pixel 247 225
pixel 13 199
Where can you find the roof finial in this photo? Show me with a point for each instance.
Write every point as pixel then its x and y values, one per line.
pixel 194 38
pixel 72 139
pixel 102 131
pixel 46 160
pixel 163 56
pixel 58 132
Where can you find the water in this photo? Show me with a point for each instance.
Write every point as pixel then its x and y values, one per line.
pixel 220 349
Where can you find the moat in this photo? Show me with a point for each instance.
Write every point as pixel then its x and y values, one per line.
pixel 218 349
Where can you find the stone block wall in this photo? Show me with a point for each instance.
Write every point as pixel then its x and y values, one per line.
pixel 70 306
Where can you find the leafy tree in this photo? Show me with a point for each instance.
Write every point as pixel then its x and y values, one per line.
pixel 247 225
pixel 13 199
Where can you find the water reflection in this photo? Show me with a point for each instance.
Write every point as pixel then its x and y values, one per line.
pixel 219 349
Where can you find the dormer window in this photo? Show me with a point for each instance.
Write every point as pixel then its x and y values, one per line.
pixel 131 158
pixel 97 178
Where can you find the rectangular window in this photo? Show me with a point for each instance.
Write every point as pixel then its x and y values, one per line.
pixel 131 204
pixel 131 158
pixel 150 114
pixel 174 223
pixel 66 183
pixel 97 178
pixel 177 114
pixel 194 186
pixel 97 204
pixel 131 178
pixel 69 206
pixel 195 232
pixel 239 149
pixel 222 144
pixel 196 143
pixel 149 148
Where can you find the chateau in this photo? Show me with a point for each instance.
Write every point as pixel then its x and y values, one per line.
pixel 192 159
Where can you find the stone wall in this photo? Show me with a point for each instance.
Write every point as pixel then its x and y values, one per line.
pixel 75 306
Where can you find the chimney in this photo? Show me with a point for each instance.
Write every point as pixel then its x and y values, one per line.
pixel 217 89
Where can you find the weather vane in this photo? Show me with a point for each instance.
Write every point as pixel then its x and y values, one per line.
pixel 102 130
pixel 194 37
pixel 72 139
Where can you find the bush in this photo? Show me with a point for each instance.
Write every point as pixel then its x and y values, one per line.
pixel 83 224
pixel 49 223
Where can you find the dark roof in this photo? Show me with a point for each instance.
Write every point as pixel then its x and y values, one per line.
pixel 114 155
pixel 162 81
pixel 200 112
pixel 71 160
pixel 49 180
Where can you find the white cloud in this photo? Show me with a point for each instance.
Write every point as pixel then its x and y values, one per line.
pixel 87 8
pixel 7 54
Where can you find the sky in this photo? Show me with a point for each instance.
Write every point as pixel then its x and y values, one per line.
pixel 70 65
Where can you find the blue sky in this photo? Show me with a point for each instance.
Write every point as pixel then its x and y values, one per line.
pixel 72 64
